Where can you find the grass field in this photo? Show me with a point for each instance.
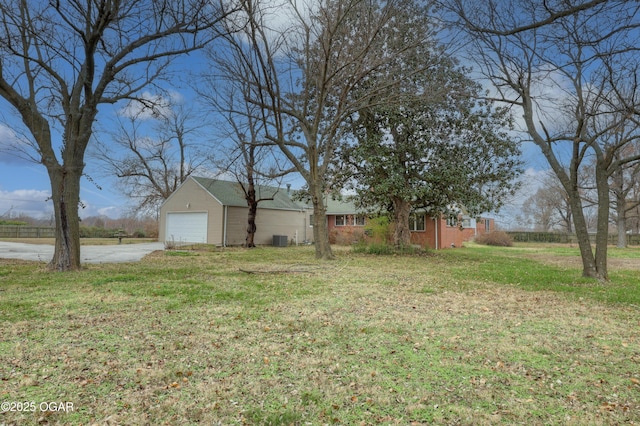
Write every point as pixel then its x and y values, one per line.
pixel 472 336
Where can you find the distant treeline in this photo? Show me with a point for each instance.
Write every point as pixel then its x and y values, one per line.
pixel 12 222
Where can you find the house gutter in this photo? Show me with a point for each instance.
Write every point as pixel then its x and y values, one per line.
pixel 435 221
pixel 304 224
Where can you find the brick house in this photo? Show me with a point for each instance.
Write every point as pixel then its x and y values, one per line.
pixel 347 224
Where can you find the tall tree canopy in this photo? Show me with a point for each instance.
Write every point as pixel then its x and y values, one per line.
pixel 60 60
pixel 152 151
pixel 314 73
pixel 253 159
pixel 571 68
pixel 548 208
pixel 442 153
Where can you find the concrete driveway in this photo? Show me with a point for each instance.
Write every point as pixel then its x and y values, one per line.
pixel 88 254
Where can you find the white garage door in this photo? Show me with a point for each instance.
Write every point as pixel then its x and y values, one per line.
pixel 187 227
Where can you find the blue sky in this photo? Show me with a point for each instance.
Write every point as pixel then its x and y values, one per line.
pixel 25 187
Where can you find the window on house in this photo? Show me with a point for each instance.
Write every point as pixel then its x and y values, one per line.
pixel 452 220
pixel 466 223
pixel 349 220
pixel 417 222
pixel 487 225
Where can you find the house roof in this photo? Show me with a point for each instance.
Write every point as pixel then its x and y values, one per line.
pixel 230 193
pixel 343 206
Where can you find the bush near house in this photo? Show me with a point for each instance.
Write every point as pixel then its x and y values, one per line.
pixel 346 236
pixel 377 231
pixel 495 238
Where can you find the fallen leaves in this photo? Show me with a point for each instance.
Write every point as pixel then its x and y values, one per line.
pixel 613 406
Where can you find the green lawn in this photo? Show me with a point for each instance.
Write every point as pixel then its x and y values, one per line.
pixel 472 336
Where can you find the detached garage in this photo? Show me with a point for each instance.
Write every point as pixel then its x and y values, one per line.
pixel 214 211
pixel 188 227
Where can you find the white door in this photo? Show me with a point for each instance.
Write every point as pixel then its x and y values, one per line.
pixel 187 227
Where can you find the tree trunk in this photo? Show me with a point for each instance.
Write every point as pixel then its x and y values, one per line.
pixel 568 220
pixel 320 228
pixel 65 193
pixel 401 232
pixel 622 231
pixel 621 222
pixel 602 231
pixel 251 221
pixel 582 234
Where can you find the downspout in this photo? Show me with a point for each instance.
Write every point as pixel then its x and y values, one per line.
pixel 435 221
pixel 224 227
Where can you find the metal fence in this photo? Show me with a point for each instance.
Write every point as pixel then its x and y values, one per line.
pixel 558 237
pixel 25 231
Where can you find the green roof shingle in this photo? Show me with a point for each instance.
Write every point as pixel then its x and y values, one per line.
pixel 231 194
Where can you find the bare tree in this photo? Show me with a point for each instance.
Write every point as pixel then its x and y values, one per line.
pixel 154 154
pixel 549 207
pixel 61 60
pixel 254 161
pixel 633 215
pixel 624 196
pixel 314 74
pixel 559 63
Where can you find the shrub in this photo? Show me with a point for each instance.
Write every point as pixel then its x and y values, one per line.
pixel 95 232
pixel 373 248
pixel 378 229
pixel 11 222
pixel 139 233
pixel 170 244
pixel 495 238
pixel 346 235
pixel 387 249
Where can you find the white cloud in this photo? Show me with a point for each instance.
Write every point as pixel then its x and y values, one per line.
pixel 151 106
pixel 111 211
pixel 531 180
pixel 6 134
pixel 281 18
pixel 13 150
pixel 30 202
pixel 38 205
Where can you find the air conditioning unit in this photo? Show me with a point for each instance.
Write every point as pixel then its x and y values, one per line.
pixel 280 241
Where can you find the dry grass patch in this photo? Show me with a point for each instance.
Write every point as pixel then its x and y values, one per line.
pixel 363 340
